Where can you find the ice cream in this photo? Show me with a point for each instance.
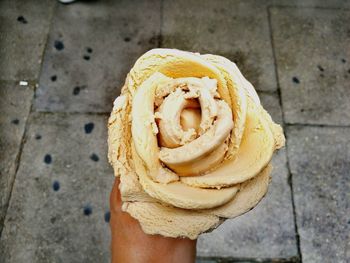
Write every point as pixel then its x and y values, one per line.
pixel 190 141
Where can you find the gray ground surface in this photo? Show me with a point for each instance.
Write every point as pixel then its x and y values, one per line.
pixel 54 176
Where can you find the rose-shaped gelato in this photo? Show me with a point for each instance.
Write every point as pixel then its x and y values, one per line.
pixel 190 142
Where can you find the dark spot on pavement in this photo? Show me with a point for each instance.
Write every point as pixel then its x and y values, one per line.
pixel 58 45
pixel 87 210
pixel 86 57
pixel 76 90
pixel 22 20
pixel 89 127
pixel 53 78
pixel 89 49
pixel 94 157
pixel 53 220
pixel 211 30
pixel 48 159
pixel 320 68
pixel 296 80
pixel 302 110
pixel 15 121
pixel 343 60
pixel 56 186
pixel 127 39
pixel 38 137
pixel 107 216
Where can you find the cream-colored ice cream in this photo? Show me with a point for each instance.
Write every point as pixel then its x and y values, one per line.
pixel 190 141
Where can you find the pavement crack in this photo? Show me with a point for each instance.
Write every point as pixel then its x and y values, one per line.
pixel 297 236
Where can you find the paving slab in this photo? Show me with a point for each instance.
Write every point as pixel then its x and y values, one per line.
pixel 271 103
pixel 238 31
pixel 313 61
pixel 265 232
pixel 60 200
pixel 202 260
pixel 229 260
pixel 339 4
pixel 15 103
pixel 319 161
pixel 91 47
pixel 24 26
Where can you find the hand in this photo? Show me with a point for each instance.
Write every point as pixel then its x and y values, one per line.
pixel 131 245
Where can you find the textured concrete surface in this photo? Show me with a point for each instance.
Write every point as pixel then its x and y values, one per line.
pixel 313 61
pixel 337 4
pixel 236 30
pixel 60 197
pixel 15 102
pixel 270 102
pixel 23 32
pixel 91 48
pixel 205 261
pixel 265 232
pixel 80 54
pixel 320 165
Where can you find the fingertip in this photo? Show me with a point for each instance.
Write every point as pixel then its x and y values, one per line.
pixel 114 198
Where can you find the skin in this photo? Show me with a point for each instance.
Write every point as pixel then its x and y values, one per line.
pixel 131 244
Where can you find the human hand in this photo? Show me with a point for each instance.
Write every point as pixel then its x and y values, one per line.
pixel 131 245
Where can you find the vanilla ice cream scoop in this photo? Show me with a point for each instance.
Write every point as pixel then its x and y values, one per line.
pixel 190 141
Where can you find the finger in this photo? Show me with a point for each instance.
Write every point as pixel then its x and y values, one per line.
pixel 114 198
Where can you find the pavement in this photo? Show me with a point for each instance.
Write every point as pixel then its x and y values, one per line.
pixel 61 67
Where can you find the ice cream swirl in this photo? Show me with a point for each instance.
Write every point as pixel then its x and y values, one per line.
pixel 190 141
